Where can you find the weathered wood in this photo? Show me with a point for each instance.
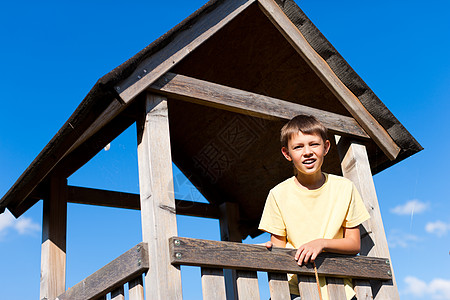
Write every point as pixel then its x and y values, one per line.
pixel 356 167
pixel 53 250
pixel 323 70
pixel 99 197
pixel 278 286
pixel 247 285
pixel 229 231
pixel 129 265
pixel 136 289
pixel 182 44
pixel 210 94
pixel 215 254
pixel 336 288
pixel 363 290
pixel 118 293
pixel 157 199
pixel 213 284
pixel 307 286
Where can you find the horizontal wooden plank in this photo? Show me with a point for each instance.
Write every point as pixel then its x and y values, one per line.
pixel 229 255
pixel 99 197
pixel 190 89
pixel 126 267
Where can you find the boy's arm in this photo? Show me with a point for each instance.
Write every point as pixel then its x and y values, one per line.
pixel 349 244
pixel 277 241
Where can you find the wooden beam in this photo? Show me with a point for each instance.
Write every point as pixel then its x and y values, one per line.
pixel 180 46
pixel 229 231
pixel 213 284
pixel 53 249
pixel 356 167
pixel 157 198
pixel 215 95
pixel 215 254
pixel 126 267
pixel 82 195
pixel 323 70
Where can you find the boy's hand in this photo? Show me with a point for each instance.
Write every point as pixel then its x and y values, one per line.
pixel 309 251
pixel 268 245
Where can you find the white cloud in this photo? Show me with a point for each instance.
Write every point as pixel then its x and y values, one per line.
pixel 397 238
pixel 438 228
pixel 23 225
pixel 437 288
pixel 411 207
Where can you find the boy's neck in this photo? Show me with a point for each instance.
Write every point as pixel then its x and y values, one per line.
pixel 310 182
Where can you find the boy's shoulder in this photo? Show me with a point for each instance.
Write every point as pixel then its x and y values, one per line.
pixel 285 184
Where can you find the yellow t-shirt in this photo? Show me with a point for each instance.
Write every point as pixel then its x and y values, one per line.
pixel 303 215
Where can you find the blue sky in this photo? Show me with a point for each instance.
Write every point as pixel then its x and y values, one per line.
pixel 53 52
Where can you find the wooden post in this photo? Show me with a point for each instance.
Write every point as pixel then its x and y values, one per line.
pixel 53 255
pixel 229 231
pixel 356 167
pixel 163 280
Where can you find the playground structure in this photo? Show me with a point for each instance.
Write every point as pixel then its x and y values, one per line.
pixel 224 81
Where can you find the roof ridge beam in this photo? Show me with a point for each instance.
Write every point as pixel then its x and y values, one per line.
pixel 206 93
pixel 326 74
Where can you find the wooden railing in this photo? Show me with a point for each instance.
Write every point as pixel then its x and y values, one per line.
pixel 127 268
pixel 214 256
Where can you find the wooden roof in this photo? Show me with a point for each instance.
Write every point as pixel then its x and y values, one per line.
pixel 250 49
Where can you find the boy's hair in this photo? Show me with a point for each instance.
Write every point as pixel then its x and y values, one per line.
pixel 304 123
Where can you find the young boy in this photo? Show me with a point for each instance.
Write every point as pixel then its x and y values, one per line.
pixel 312 211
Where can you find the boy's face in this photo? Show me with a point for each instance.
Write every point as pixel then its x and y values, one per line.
pixel 307 152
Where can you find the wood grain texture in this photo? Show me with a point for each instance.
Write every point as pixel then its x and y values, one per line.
pixel 356 167
pixel 99 197
pixel 213 284
pixel 336 288
pixel 205 253
pixel 247 285
pixel 218 96
pixel 158 216
pixel 183 43
pixel 323 70
pixel 136 289
pixel 129 265
pixel 278 286
pixel 53 249
pixel 363 290
pixel 307 286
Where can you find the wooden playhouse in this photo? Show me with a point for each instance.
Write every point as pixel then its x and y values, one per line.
pixel 219 83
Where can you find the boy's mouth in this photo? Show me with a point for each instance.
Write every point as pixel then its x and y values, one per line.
pixel 309 161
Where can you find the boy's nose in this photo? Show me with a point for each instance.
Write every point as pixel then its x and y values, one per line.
pixel 307 150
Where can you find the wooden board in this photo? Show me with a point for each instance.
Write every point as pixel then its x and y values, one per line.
pixel 336 288
pixel 247 285
pixel 356 167
pixel 158 216
pixel 213 284
pixel 307 286
pixel 136 289
pixel 278 286
pixel 53 250
pixel 99 197
pixel 202 92
pixel 126 267
pixel 205 253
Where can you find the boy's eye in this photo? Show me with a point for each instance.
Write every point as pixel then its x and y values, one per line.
pixel 298 147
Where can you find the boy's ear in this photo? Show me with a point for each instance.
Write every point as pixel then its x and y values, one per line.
pixel 327 146
pixel 285 152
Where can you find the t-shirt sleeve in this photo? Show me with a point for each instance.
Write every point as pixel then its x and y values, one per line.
pixel 271 219
pixel 357 212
